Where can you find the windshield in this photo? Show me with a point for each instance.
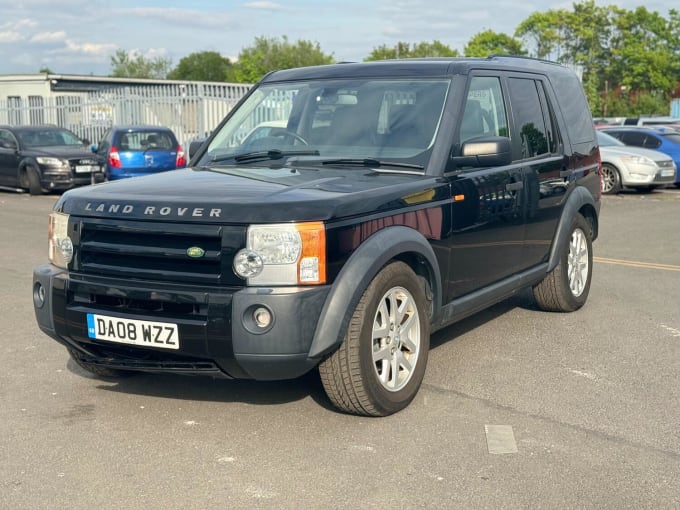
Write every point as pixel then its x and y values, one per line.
pixel 606 140
pixel 48 138
pixel 388 121
pixel 672 137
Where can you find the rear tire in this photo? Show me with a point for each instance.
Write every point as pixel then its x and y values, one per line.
pixel 565 288
pixel 97 370
pixel 381 363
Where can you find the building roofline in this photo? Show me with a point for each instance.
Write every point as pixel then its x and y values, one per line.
pixel 78 78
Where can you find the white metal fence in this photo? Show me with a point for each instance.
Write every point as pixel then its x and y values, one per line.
pixel 191 110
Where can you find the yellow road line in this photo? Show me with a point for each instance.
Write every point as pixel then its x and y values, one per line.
pixel 632 263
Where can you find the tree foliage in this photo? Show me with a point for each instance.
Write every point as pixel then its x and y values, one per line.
pixel 270 54
pixel 405 50
pixel 134 65
pixel 489 42
pixel 202 66
pixel 630 59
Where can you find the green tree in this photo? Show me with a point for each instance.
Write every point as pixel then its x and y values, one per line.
pixel 133 65
pixel 544 31
pixel 405 50
pixel 489 42
pixel 270 54
pixel 643 51
pixel 628 59
pixel 45 70
pixel 202 66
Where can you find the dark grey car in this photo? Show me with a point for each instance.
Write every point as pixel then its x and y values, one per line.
pixel 46 158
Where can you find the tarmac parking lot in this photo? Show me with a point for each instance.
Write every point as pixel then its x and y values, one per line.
pixel 519 408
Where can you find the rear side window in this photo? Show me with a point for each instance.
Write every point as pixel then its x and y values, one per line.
pixel 632 138
pixel 145 140
pixel 534 133
pixel 652 142
pixel 574 107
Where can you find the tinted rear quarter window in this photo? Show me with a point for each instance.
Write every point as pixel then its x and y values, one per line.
pixel 574 107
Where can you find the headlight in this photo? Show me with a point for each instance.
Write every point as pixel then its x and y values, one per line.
pixel 60 247
pixel 640 160
pixel 283 254
pixel 51 161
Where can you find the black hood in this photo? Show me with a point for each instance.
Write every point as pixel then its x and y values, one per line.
pixel 60 151
pixel 249 194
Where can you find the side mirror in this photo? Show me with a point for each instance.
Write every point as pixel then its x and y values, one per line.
pixel 6 144
pixel 483 151
pixel 194 146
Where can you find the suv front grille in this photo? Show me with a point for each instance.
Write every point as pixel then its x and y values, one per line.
pixel 157 251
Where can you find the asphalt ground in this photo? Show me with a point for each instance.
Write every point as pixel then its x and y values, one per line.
pixel 585 405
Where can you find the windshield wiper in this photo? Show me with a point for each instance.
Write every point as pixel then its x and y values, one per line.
pixel 265 155
pixel 370 162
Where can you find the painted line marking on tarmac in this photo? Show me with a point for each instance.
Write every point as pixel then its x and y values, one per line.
pixel 633 263
pixel 500 439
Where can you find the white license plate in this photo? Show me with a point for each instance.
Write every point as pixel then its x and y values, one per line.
pixel 82 169
pixel 667 172
pixel 129 331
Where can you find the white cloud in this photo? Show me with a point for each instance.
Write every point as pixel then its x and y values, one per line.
pixel 10 37
pixel 149 53
pixel 92 49
pixel 392 31
pixel 268 6
pixel 49 37
pixel 180 17
pixel 21 24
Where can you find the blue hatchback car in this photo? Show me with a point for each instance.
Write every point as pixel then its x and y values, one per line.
pixel 131 151
pixel 662 139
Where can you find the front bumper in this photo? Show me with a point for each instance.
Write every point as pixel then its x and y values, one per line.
pixel 217 334
pixel 57 180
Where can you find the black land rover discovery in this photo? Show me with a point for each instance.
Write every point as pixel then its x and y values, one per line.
pixel 336 218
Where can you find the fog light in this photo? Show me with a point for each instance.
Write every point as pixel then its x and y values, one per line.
pixel 39 295
pixel 262 317
pixel 248 263
pixel 66 248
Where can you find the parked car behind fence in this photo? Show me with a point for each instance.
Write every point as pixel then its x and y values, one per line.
pixel 45 158
pixel 129 151
pixel 627 166
pixel 661 139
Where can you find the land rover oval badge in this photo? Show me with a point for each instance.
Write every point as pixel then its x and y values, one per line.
pixel 195 252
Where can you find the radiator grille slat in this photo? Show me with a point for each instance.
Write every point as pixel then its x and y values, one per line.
pixel 158 251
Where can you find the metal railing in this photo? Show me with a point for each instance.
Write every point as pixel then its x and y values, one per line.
pixel 191 110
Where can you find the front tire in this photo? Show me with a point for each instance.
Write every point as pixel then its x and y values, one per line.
pixel 611 180
pixel 381 363
pixel 29 178
pixel 565 288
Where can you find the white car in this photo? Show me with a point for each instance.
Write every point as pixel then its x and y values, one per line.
pixel 625 166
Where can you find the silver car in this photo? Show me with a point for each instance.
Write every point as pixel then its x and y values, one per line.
pixel 625 166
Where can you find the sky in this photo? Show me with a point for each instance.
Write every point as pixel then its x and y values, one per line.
pixel 80 36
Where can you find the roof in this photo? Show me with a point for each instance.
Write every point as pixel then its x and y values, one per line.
pixel 417 67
